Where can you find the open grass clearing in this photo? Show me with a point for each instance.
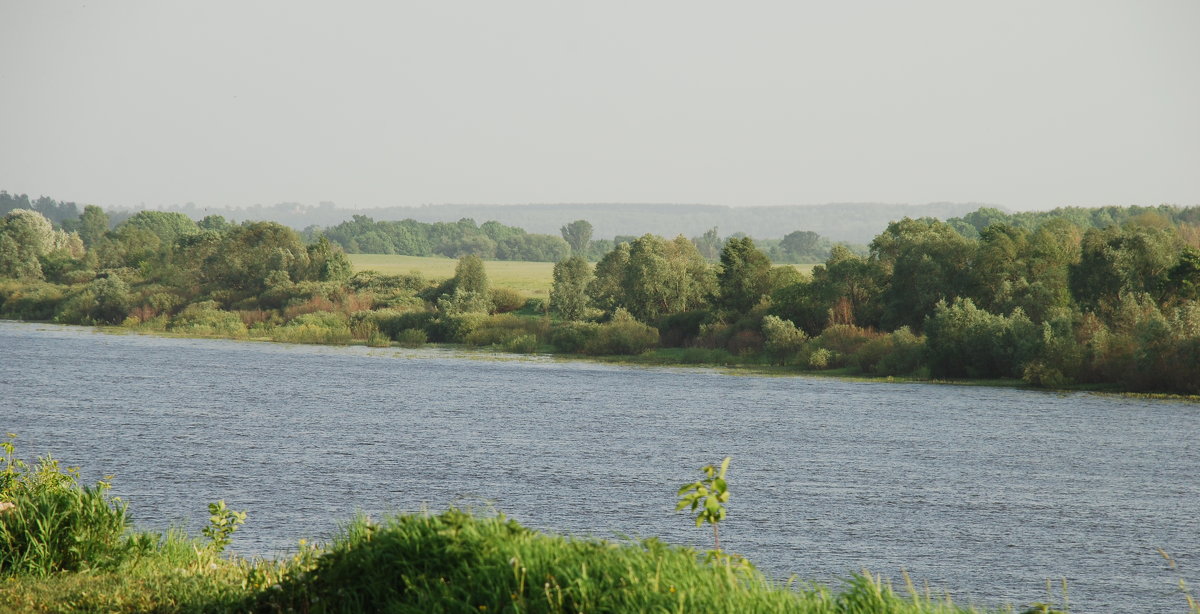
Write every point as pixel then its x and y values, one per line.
pixel 530 278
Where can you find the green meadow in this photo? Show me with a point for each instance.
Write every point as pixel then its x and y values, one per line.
pixel 532 279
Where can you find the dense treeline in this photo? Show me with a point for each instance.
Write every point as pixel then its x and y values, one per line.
pixel 1056 303
pixel 491 240
pixel 973 223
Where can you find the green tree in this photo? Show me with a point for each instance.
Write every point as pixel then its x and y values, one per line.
pixel 214 222
pixel 606 288
pixel 568 295
pixel 664 277
pixel 469 288
pixel 708 244
pixel 93 225
pixel 965 341
pixel 783 340
pixel 578 235
pixel 844 290
pixel 470 275
pixel 925 261
pixel 26 237
pixel 804 246
pixel 1117 261
pixel 166 225
pixel 743 278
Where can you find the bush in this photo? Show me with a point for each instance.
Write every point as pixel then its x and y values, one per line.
pixel 622 335
pixel 907 354
pixel 55 524
pixel 897 353
pixel 523 344
pixel 453 562
pixel 411 337
pixel 678 329
pixel 500 329
pixel 392 322
pixel 820 359
pixel 62 530
pixel 845 339
pixel 454 328
pixel 573 337
pixel 319 327
pixel 206 319
pixel 30 301
pixel 782 340
pixel 505 300
pixel 964 340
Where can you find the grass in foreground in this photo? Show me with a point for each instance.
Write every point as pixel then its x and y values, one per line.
pixel 451 562
pixel 65 547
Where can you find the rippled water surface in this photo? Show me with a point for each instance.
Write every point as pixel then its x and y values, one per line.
pixel 983 492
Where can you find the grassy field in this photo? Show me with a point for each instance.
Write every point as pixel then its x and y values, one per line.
pixel 529 278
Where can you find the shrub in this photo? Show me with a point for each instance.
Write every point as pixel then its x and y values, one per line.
pixel 318 327
pixel 678 329
pixel 782 340
pixel 623 334
pixel 573 337
pixel 392 322
pixel 906 356
pixel 455 327
pixel 845 339
pixel 500 329
pixel 964 340
pixel 820 359
pixel 55 524
pixel 206 319
pixel 411 337
pixel 30 301
pixel 505 300
pixel 522 344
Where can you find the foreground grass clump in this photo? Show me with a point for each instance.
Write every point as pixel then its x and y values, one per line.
pixel 456 562
pixel 452 562
pixel 66 547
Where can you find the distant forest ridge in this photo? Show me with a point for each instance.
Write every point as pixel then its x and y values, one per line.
pixel 854 223
pixel 850 222
pixel 847 222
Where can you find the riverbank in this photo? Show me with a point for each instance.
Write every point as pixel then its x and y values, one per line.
pixel 682 358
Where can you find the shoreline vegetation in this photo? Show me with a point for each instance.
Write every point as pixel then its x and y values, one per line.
pixel 668 358
pixel 69 547
pixel 1071 299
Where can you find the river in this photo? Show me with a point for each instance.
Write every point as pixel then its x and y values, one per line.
pixel 986 493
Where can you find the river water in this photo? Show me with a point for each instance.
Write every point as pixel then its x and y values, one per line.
pixel 984 493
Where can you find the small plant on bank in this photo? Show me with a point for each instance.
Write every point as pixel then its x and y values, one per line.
pixel 222 522
pixel 707 498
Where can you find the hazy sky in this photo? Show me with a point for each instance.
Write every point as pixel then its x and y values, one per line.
pixel 1023 104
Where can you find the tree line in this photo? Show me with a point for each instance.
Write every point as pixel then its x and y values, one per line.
pixel 1047 300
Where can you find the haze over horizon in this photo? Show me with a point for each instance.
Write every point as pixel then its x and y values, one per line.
pixel 1024 105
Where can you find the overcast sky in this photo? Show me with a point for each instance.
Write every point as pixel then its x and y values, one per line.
pixel 1024 104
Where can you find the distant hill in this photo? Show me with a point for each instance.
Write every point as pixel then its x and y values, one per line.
pixel 851 222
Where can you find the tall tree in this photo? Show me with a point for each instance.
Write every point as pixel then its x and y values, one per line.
pixel 93 224
pixel 470 276
pixel 578 235
pixel 665 277
pixel 744 276
pixel 568 295
pixel 928 261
